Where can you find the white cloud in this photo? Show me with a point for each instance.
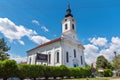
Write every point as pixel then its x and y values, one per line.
pixel 90 53
pixel 115 45
pixel 16 32
pixel 44 29
pixel 107 53
pixel 21 42
pixel 99 41
pixel 18 58
pixel 115 40
pixel 35 22
pixel 93 50
pixel 39 39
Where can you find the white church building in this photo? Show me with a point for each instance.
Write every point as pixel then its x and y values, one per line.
pixel 66 50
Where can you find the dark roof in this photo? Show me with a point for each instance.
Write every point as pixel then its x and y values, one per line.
pixel 47 43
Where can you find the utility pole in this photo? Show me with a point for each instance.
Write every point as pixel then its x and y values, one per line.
pixel 116 65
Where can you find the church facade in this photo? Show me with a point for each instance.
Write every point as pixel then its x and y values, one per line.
pixel 66 50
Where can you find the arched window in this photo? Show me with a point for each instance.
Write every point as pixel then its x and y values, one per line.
pixel 66 26
pixel 49 58
pixel 67 57
pixel 81 60
pixel 57 56
pixel 74 53
pixel 73 26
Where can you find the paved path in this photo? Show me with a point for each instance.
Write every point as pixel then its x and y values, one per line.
pixel 115 79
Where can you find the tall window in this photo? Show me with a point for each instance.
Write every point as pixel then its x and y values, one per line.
pixel 49 58
pixel 73 26
pixel 66 26
pixel 81 60
pixel 67 57
pixel 74 53
pixel 57 57
pixel 30 60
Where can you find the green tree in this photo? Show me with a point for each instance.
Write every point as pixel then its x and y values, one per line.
pixel 3 49
pixel 102 62
pixel 116 63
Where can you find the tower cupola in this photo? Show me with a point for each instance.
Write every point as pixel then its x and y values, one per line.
pixel 69 24
pixel 68 12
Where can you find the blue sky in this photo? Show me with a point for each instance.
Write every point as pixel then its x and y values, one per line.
pixel 98 24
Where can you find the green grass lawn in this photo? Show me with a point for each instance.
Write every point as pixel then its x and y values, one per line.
pixel 88 79
pixel 91 79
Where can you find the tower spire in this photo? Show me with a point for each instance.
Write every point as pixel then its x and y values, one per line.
pixel 68 11
pixel 68 5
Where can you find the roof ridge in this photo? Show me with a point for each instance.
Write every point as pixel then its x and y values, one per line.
pixel 46 43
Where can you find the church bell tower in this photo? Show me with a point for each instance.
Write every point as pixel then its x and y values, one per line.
pixel 69 25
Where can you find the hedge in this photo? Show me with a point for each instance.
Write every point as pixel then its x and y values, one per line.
pixel 9 68
pixel 105 73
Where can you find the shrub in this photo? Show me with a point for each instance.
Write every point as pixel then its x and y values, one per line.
pixel 78 71
pixel 81 72
pixel 23 71
pixel 40 70
pixel 56 71
pixel 35 71
pixel 107 73
pixel 64 71
pixel 88 72
pixel 8 69
pixel 30 71
pixel 47 71
pixel 73 72
pixel 0 69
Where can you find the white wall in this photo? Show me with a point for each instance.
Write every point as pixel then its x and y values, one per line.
pixel 63 47
pixel 69 47
pixel 52 49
